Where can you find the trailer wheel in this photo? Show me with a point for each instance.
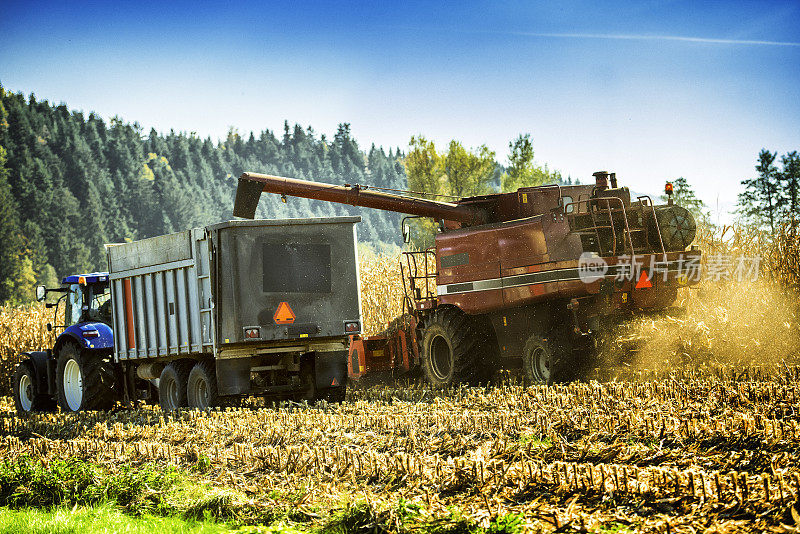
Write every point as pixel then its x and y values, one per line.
pixel 85 381
pixel 452 348
pixel 201 389
pixel 172 386
pixel 27 399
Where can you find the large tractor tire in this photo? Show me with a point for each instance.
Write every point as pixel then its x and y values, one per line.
pixel 27 398
pixel 173 385
pixel 85 381
pixel 454 349
pixel 201 389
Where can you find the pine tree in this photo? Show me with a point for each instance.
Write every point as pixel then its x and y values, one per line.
pixel 11 244
pixel 683 195
pixel 758 204
pixel 789 176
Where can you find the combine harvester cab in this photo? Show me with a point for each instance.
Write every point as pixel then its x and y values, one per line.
pixel 200 317
pixel 529 279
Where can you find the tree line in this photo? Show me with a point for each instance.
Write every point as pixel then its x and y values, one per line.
pixel 71 182
pixel 774 193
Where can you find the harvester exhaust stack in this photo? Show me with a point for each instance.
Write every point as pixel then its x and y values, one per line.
pixel 251 185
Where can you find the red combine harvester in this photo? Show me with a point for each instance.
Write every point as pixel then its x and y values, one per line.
pixel 531 278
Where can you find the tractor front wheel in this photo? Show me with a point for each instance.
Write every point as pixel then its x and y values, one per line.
pixel 85 381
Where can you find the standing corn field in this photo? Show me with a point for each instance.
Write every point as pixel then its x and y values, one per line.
pixel 22 328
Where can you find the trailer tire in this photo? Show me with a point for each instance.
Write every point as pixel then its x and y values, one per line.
pixel 201 388
pixel 453 349
pixel 27 398
pixel 172 385
pixel 85 381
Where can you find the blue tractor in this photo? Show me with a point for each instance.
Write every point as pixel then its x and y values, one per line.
pixel 79 372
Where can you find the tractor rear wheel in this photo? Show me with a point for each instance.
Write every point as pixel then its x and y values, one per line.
pixel 172 385
pixel 27 398
pixel 85 381
pixel 201 389
pixel 454 349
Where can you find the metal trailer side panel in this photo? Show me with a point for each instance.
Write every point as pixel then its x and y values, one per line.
pixel 169 278
pixel 118 312
pixel 140 318
pixel 165 292
pixel 205 297
pixel 148 253
pixel 160 305
pixel 152 316
pixel 161 316
pixel 182 311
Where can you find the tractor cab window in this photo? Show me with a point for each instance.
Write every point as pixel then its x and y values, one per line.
pixel 99 303
pixel 74 305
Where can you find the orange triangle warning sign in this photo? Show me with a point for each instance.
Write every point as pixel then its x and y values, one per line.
pixel 334 383
pixel 644 281
pixel 284 314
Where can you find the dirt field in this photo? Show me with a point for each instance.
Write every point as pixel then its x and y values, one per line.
pixel 668 452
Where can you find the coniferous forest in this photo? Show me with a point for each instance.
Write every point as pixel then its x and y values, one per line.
pixel 69 183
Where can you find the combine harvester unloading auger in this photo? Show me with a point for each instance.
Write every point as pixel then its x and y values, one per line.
pixel 530 279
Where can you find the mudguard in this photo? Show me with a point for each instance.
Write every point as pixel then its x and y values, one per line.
pixel 103 340
pixel 233 376
pixel 38 362
pixel 330 369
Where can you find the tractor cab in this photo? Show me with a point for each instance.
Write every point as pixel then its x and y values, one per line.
pixel 82 351
pixel 87 309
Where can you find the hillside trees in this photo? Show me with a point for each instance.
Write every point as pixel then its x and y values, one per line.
pixel 459 173
pixel 72 182
pixel 789 183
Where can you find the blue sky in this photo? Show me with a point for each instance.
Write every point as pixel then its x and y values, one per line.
pixel 651 90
